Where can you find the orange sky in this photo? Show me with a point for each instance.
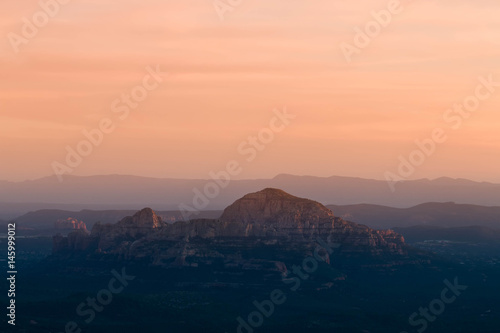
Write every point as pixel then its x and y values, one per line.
pixel 226 77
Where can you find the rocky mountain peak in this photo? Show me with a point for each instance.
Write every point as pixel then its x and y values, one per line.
pixel 146 217
pixel 133 227
pixel 275 206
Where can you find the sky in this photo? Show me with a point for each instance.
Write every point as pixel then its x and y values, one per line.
pixel 222 81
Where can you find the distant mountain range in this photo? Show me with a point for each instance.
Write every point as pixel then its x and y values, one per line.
pixel 476 234
pixel 132 192
pixel 446 214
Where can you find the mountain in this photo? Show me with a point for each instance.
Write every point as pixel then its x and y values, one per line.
pixel 131 192
pixel 268 220
pixel 11 210
pixel 476 234
pixel 447 214
pixel 42 222
pixel 276 206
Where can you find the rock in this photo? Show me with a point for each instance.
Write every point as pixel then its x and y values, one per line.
pixel 129 228
pixel 70 224
pixel 276 207
pixel 269 219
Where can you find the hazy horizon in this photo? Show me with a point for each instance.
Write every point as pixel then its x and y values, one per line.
pixel 243 179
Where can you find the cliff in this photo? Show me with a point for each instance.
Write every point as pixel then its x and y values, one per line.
pixel 271 219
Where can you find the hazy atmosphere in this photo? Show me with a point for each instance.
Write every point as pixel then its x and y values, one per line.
pixel 220 71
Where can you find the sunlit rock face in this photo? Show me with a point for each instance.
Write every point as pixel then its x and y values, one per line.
pixel 273 206
pixel 70 224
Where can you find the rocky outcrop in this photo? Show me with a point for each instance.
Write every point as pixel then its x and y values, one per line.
pixel 273 206
pixel 270 220
pixel 69 224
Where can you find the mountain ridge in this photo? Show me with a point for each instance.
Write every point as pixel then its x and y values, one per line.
pixel 270 216
pixel 168 194
pixel 446 214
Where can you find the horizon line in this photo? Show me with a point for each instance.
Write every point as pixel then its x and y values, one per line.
pixel 248 179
